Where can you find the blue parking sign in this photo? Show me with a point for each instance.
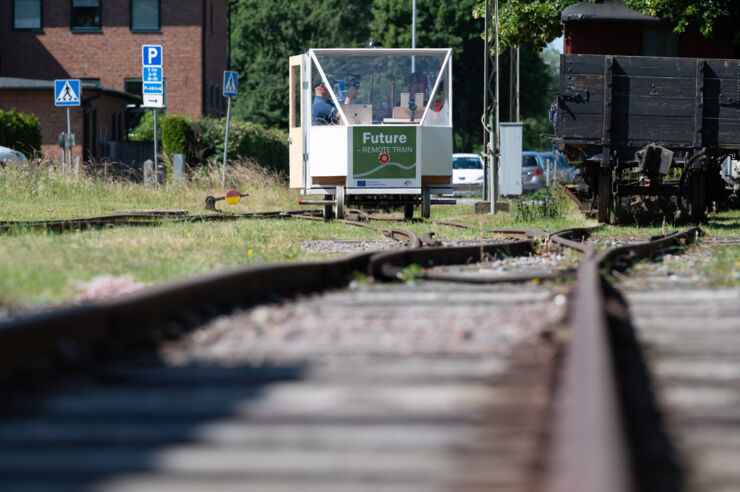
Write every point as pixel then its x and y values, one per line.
pixel 67 92
pixel 151 55
pixel 231 83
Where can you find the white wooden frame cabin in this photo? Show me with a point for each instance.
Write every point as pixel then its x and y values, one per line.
pixel 385 145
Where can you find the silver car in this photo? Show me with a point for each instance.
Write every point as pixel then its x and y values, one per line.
pixel 533 175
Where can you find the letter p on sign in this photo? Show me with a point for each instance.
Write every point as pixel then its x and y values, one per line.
pixel 151 55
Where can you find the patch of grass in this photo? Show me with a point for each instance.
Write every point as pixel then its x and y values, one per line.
pixel 717 266
pixel 40 268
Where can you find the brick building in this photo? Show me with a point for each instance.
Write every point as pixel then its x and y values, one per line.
pixel 99 42
pixel 609 27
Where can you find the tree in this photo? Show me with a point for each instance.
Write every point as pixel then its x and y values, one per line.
pixel 265 34
pixel 539 20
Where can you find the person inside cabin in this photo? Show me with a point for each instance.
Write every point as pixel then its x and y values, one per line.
pixel 323 110
pixel 417 82
pixel 352 87
pixel 438 107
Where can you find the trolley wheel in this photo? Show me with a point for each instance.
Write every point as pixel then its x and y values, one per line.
pixel 408 211
pixel 698 195
pixel 426 202
pixel 605 194
pixel 340 202
pixel 328 210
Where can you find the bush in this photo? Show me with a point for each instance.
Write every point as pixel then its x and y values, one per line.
pixel 268 147
pixel 176 132
pixel 144 131
pixel 542 204
pixel 20 131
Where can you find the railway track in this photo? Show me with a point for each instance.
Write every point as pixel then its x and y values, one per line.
pixel 254 378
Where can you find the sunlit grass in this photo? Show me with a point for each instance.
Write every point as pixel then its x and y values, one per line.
pixel 43 268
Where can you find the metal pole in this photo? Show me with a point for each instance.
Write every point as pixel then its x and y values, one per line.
pixel 156 174
pixel 413 34
pixel 517 84
pixel 226 142
pixel 486 54
pixel 68 149
pixel 511 83
pixel 495 129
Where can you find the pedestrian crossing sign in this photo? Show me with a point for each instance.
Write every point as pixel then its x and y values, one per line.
pixel 231 83
pixel 67 92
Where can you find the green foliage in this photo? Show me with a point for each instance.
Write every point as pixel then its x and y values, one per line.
pixel 539 20
pixel 542 204
pixel 20 131
pixel 269 147
pixel 177 133
pixel 265 34
pixel 144 131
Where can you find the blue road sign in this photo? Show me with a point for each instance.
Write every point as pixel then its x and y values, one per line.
pixel 152 88
pixel 151 74
pixel 67 92
pixel 231 83
pixel 151 55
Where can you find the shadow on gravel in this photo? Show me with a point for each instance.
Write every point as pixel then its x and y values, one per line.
pixel 655 460
pixel 117 420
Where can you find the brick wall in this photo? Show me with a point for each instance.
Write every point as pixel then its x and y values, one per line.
pixel 114 53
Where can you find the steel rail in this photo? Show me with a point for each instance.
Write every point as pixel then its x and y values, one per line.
pixel 389 265
pixel 588 449
pixel 140 219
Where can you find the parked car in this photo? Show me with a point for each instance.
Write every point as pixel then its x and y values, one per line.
pixel 10 155
pixel 468 174
pixel 533 175
pixel 556 162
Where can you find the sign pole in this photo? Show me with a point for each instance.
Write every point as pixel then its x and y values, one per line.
pixel 156 173
pixel 230 89
pixel 226 141
pixel 67 141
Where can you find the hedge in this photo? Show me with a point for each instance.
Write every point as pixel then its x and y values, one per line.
pixel 203 139
pixel 20 131
pixel 176 133
pixel 269 147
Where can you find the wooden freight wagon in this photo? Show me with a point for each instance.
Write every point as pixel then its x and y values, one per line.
pixel 642 127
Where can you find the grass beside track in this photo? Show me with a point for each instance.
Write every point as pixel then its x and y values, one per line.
pixel 44 269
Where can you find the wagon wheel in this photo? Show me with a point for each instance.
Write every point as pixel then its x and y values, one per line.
pixel 426 202
pixel 698 195
pixel 408 211
pixel 605 194
pixel 339 203
pixel 328 211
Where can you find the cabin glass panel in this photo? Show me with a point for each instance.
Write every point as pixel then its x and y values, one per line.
pixel 385 89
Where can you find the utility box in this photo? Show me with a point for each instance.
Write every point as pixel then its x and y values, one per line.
pixel 510 162
pixel 385 128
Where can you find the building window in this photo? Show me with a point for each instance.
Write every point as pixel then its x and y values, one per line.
pixel 86 15
pixel 145 15
pixel 27 14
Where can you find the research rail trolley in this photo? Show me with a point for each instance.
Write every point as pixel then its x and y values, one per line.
pixel 390 143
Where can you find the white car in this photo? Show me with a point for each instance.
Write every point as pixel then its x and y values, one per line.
pixel 467 174
pixel 10 155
